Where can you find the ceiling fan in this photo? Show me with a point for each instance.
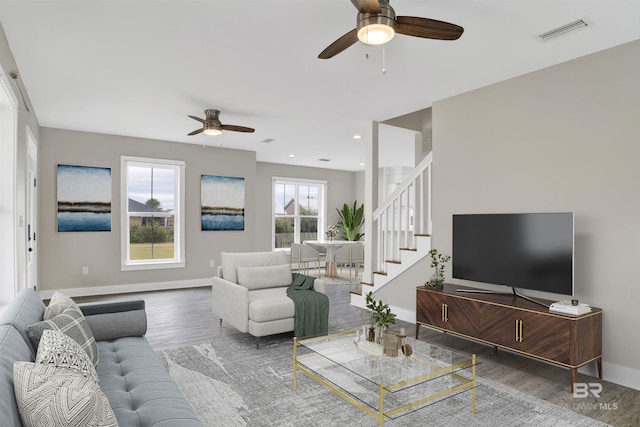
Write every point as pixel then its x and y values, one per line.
pixel 377 24
pixel 211 124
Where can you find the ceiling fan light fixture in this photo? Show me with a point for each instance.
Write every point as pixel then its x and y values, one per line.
pixel 376 34
pixel 377 28
pixel 210 129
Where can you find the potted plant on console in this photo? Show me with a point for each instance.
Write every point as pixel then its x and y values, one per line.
pixel 438 261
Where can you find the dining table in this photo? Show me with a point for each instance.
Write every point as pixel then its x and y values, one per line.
pixel 331 269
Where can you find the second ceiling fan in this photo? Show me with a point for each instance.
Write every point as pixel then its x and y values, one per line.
pixel 211 124
pixel 377 24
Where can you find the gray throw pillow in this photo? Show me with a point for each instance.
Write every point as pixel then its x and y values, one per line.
pixel 58 349
pixel 48 396
pixel 58 303
pixel 73 324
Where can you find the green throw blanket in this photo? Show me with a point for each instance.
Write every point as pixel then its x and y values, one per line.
pixel 312 308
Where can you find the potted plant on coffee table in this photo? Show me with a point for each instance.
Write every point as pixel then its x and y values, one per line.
pixel 381 315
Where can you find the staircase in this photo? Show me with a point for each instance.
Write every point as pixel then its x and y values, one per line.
pixel 401 240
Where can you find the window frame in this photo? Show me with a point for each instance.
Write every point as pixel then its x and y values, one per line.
pixel 178 260
pixel 322 207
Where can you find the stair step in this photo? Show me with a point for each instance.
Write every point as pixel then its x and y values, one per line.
pixel 356 292
pixel 409 249
pixel 366 284
pixel 393 261
pixel 423 235
pixel 382 273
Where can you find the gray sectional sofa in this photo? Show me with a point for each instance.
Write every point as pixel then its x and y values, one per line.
pixel 133 378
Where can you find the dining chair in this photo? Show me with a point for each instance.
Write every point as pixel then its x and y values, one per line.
pixel 304 256
pixel 351 256
pixel 322 250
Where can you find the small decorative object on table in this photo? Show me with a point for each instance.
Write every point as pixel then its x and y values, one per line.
pixel 391 342
pixel 438 261
pixel 406 348
pixel 332 231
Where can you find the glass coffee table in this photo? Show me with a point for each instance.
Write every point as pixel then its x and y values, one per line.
pixel 382 386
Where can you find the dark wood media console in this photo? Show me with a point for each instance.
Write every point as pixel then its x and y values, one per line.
pixel 515 324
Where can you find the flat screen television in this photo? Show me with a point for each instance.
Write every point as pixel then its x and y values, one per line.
pixel 520 250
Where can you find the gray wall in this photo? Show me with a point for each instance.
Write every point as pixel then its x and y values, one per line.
pixel 563 138
pixel 62 255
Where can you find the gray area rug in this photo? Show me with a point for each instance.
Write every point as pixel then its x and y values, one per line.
pixel 231 383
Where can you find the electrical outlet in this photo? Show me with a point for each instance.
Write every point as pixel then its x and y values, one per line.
pixel 212 263
pixel 85 270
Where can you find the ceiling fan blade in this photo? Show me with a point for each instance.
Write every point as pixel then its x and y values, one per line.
pixel 427 28
pixel 198 119
pixel 237 128
pixel 367 6
pixel 339 45
pixel 195 132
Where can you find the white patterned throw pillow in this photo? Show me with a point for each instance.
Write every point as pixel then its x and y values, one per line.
pixel 49 396
pixel 58 349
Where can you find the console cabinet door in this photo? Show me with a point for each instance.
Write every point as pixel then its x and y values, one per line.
pixel 448 312
pixel 546 336
pixel 431 309
pixel 537 334
pixel 500 326
pixel 463 316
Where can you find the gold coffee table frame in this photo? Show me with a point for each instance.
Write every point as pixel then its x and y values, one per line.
pixel 381 414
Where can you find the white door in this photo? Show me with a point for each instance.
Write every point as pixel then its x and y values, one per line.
pixel 32 211
pixel 8 225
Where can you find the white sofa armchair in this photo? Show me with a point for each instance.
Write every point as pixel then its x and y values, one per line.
pixel 250 292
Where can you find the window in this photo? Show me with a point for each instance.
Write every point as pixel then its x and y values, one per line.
pixel 152 213
pixel 299 211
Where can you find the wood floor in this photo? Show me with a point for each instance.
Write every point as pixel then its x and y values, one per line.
pixel 183 317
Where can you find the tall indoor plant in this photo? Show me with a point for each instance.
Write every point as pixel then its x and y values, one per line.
pixel 351 219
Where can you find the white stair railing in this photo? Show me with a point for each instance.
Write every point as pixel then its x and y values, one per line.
pixel 405 213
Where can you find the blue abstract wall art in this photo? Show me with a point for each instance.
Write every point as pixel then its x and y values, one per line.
pixel 84 198
pixel 222 203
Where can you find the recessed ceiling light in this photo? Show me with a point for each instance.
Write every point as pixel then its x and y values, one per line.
pixel 292 155
pixel 268 140
pixel 361 164
pixel 357 136
pixel 324 160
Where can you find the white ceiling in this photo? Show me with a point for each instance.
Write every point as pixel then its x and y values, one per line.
pixel 139 67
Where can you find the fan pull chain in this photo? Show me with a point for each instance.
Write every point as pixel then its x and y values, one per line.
pixel 384 61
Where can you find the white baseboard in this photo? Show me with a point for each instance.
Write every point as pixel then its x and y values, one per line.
pixel 622 375
pixel 408 316
pixel 129 288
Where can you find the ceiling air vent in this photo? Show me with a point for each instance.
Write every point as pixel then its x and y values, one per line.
pixel 324 160
pixel 556 32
